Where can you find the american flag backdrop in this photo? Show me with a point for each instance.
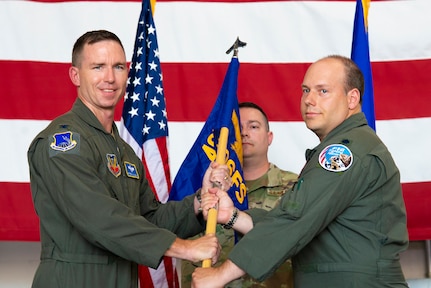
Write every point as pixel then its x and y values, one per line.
pixel 144 125
pixel 283 38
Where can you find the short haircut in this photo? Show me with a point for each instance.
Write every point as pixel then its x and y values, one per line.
pixel 353 75
pixel 91 37
pixel 257 107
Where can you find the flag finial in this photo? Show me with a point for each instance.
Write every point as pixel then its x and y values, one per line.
pixel 238 43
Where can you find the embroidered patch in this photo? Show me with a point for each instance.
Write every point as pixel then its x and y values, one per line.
pixel 63 141
pixel 113 165
pixel 336 158
pixel 131 170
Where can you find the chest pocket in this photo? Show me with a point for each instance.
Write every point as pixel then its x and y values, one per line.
pixel 294 201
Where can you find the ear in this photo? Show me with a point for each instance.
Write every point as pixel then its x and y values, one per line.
pixel 353 98
pixel 74 76
pixel 270 137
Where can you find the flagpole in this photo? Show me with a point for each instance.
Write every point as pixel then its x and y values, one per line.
pixel 220 158
pixel 212 213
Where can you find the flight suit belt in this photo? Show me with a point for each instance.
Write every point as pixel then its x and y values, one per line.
pixel 381 267
pixel 51 252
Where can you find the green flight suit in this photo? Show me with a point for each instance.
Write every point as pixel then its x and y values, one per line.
pixel 98 215
pixel 264 192
pixel 343 224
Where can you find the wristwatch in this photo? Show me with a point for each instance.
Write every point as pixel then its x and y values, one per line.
pixel 199 198
pixel 198 195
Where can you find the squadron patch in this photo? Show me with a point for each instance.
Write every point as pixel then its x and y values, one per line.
pixel 113 165
pixel 131 170
pixel 336 158
pixel 63 141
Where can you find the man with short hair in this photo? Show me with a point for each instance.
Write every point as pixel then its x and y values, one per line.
pixel 344 221
pixel 98 216
pixel 266 184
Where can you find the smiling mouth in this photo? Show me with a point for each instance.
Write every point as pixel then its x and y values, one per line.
pixel 310 113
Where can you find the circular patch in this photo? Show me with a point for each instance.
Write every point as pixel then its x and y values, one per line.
pixel 336 158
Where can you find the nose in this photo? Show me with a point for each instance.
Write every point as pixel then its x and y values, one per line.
pixel 244 131
pixel 309 98
pixel 110 75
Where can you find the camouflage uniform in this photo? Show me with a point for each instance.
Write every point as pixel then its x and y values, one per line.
pixel 263 193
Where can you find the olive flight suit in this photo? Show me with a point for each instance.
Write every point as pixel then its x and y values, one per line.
pixel 344 221
pixel 98 214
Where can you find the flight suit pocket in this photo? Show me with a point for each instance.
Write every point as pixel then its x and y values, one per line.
pixel 293 201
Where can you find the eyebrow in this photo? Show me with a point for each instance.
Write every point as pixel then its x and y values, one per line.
pixel 254 121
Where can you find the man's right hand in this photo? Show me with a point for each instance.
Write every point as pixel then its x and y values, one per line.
pixel 205 247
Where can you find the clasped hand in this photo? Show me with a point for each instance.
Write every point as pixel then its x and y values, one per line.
pixel 214 193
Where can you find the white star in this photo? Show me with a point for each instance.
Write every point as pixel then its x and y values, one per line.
pixel 156 53
pixel 141 36
pixel 161 77
pixel 165 114
pixel 138 66
pixel 133 112
pixel 155 101
pixel 139 52
pixel 150 115
pixel 159 89
pixel 146 129
pixel 153 66
pixel 151 29
pixel 162 125
pixel 137 81
pixel 126 96
pixel 148 43
pixel 135 96
pixel 148 79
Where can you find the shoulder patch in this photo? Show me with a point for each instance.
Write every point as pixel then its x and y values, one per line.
pixel 64 141
pixel 131 170
pixel 336 158
pixel 113 165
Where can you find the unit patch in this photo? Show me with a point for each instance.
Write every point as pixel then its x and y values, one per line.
pixel 113 165
pixel 63 141
pixel 336 158
pixel 131 170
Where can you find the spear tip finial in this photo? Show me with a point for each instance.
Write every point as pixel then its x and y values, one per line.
pixel 237 44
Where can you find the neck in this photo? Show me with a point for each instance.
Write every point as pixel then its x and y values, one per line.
pixel 255 168
pixel 104 115
pixel 106 118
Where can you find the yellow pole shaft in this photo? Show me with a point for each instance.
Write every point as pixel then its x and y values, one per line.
pixel 212 213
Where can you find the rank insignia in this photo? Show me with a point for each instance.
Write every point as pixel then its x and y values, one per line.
pixel 336 158
pixel 63 141
pixel 131 170
pixel 113 165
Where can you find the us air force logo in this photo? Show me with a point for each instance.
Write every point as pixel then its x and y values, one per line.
pixel 63 141
pixel 131 170
pixel 336 158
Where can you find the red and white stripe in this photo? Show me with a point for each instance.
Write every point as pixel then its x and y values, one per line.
pixel 282 37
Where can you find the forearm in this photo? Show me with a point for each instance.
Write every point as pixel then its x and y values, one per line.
pixel 228 271
pixel 205 247
pixel 216 277
pixel 179 249
pixel 243 224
